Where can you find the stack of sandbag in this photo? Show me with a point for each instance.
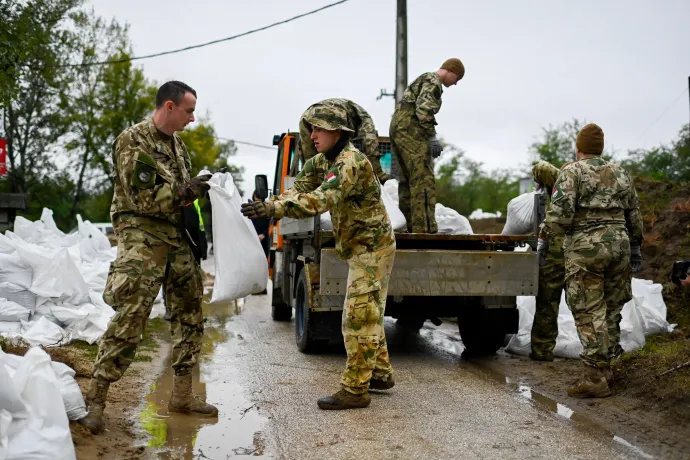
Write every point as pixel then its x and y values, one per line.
pixel 644 315
pixel 51 284
pixel 478 214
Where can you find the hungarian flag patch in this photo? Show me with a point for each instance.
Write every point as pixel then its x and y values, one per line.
pixel 331 177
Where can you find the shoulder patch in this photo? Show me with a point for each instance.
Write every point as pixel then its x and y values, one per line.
pixel 144 174
pixel 332 179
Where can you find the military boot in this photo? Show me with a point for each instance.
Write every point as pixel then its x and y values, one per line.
pixel 184 401
pixel 541 357
pixel 95 400
pixel 608 375
pixel 592 385
pixel 344 400
pixel 380 384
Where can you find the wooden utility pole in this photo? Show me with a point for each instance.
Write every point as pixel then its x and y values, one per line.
pixel 400 66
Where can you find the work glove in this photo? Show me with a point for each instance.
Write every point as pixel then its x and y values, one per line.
pixel 258 209
pixel 542 249
pixel 435 147
pixel 636 258
pixel 194 189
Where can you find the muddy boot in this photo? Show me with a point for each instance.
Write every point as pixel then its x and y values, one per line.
pixel 608 375
pixel 539 357
pixel 95 400
pixel 182 399
pixel 592 385
pixel 379 384
pixel 344 400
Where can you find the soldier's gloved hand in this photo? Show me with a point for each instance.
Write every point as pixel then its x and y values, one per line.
pixel 435 147
pixel 636 258
pixel 383 178
pixel 257 209
pixel 542 249
pixel 199 186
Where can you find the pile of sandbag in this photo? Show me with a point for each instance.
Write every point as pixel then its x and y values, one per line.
pixel 37 399
pixel 51 284
pixel 644 315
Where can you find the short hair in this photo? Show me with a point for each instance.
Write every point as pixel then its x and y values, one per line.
pixel 172 91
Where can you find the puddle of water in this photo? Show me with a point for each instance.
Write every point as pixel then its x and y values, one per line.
pixel 238 430
pixel 452 345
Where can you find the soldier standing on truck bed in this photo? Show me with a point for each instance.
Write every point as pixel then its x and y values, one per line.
pixel 365 133
pixel 594 203
pixel 551 277
pixel 414 143
pixel 341 180
pixel 152 185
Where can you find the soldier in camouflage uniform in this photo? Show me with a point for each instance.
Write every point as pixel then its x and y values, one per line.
pixel 551 277
pixel 595 205
pixel 414 144
pixel 341 180
pixel 152 184
pixel 365 135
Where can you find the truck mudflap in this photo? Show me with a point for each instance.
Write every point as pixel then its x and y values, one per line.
pixel 444 273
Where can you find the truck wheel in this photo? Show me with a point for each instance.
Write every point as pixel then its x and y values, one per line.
pixel 480 333
pixel 280 311
pixel 411 323
pixel 304 321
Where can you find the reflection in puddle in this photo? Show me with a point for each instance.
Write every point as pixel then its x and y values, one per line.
pixel 452 344
pixel 238 430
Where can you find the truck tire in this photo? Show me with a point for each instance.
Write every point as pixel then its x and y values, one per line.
pixel 411 323
pixel 304 321
pixel 280 311
pixel 481 334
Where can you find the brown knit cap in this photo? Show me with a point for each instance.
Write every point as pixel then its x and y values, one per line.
pixel 590 140
pixel 454 65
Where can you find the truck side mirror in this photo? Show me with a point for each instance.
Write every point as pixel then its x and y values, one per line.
pixel 261 186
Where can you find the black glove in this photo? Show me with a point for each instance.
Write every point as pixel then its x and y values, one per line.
pixel 542 249
pixel 435 147
pixel 636 258
pixel 258 209
pixel 199 186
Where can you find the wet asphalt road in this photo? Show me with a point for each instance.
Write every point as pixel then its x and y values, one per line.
pixel 441 406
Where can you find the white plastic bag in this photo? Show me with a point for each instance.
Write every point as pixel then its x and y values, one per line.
pixel 14 270
pixel 44 434
pixel 75 407
pixel 12 311
pixel 394 213
pixel 452 222
pixel 44 332
pixel 18 294
pixel 240 262
pixel 520 216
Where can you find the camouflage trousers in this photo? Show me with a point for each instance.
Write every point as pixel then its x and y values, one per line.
pixel 134 280
pixel 365 304
pixel 417 184
pixel 598 283
pixel 551 283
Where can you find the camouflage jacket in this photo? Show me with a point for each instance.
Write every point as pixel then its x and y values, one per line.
pixel 420 103
pixel 365 132
pixel 347 187
pixel 593 194
pixel 148 175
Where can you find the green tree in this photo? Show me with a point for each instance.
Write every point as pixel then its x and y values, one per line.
pixel 557 144
pixel 664 162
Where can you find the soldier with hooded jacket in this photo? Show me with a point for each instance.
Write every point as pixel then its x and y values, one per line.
pixel 414 144
pixel 341 180
pixel 152 185
pixel 595 206
pixel 365 135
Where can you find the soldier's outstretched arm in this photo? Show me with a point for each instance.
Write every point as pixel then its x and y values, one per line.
pixel 559 218
pixel 307 180
pixel 338 185
pixel 545 173
pixel 428 105
pixel 142 188
pixel 633 220
pixel 367 131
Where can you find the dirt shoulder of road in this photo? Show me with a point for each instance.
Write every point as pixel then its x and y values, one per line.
pixel 124 398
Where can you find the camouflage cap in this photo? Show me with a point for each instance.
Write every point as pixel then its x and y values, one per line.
pixel 330 118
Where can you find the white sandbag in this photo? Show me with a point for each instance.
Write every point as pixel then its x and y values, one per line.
pixel 43 433
pixel 450 221
pixel 240 262
pixel 396 216
pixel 651 306
pixel 391 188
pixel 12 311
pixel 480 214
pixel 18 294
pixel 6 245
pixel 44 332
pixel 520 217
pixel 10 329
pixel 75 407
pixel 14 270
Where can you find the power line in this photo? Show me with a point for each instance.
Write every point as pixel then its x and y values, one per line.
pixel 662 114
pixel 187 48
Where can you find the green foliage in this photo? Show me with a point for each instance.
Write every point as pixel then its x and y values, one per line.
pixel 664 162
pixel 557 144
pixel 463 185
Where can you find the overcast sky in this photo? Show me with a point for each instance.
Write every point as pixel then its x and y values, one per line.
pixel 530 63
